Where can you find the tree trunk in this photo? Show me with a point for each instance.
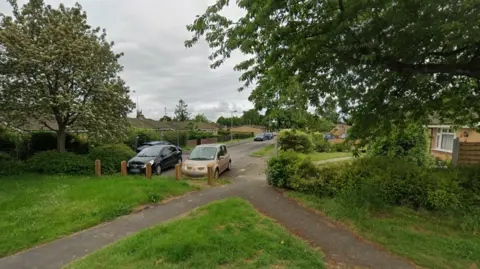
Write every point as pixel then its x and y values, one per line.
pixel 61 139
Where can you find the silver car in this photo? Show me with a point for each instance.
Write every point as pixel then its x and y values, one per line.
pixel 215 155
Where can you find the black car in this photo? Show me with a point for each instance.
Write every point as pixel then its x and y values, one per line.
pixel 260 137
pixel 269 136
pixel 161 157
pixel 154 143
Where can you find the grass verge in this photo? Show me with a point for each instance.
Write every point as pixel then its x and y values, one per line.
pixel 429 240
pixel 265 151
pixel 321 156
pixel 35 209
pixel 224 234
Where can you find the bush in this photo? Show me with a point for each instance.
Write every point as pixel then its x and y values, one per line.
pixel 10 166
pixel 53 162
pixel 320 144
pixel 296 141
pixel 410 143
pixel 289 167
pixel 111 156
pixel 341 147
pixel 376 182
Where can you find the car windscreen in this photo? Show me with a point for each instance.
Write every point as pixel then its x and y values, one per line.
pixel 150 152
pixel 203 153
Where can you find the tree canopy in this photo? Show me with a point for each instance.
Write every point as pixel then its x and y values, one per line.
pixel 181 112
pixel 165 118
pixel 200 117
pixel 382 62
pixel 58 71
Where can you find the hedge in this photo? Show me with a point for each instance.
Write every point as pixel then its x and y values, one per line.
pixel 53 162
pixel 378 182
pixel 111 156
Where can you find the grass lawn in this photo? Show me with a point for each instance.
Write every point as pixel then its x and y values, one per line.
pixel 428 240
pixel 320 156
pixel 224 234
pixel 35 209
pixel 265 151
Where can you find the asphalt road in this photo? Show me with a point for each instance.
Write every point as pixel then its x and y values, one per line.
pixel 241 160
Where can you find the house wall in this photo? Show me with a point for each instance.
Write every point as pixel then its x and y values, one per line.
pixel 473 136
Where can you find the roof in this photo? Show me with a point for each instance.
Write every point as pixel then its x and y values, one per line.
pixel 200 125
pixel 139 123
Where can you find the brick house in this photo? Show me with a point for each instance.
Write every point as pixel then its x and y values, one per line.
pixel 442 136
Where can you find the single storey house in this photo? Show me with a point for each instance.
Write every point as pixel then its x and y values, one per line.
pixel 442 136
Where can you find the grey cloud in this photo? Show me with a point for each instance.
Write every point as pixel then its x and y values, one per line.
pixel 157 66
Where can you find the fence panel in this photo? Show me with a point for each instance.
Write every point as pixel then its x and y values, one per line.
pixel 466 153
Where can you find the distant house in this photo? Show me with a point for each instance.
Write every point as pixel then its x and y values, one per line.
pixel 257 129
pixel 442 136
pixel 340 128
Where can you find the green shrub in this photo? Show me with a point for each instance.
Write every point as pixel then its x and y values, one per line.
pixel 111 156
pixel 378 182
pixel 410 143
pixel 10 166
pixel 281 168
pixel 296 141
pixel 320 144
pixel 53 162
pixel 244 135
pixel 341 147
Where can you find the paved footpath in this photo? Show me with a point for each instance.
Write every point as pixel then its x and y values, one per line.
pixel 338 244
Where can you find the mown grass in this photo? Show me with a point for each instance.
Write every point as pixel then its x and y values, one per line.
pixel 429 240
pixel 321 156
pixel 265 151
pixel 224 234
pixel 35 209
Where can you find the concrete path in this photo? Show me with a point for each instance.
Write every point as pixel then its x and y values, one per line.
pixel 338 244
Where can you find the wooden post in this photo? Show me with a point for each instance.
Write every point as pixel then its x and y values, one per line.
pixel 210 175
pixel 98 168
pixel 455 151
pixel 148 171
pixel 178 171
pixel 123 168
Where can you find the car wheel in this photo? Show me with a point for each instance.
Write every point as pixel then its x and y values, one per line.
pixel 229 166
pixel 158 169
pixel 217 174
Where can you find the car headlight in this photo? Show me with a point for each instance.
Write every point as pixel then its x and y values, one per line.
pixel 151 162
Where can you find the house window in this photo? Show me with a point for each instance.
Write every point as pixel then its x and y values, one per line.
pixel 445 137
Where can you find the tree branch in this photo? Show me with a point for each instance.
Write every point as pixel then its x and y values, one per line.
pixel 341 6
pixel 48 126
pixel 452 69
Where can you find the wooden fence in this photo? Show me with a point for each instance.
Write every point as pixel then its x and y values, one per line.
pixel 465 152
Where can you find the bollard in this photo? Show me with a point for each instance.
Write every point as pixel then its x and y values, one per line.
pixel 123 168
pixel 210 174
pixel 178 171
pixel 148 171
pixel 98 168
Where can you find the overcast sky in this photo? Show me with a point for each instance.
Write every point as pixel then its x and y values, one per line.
pixel 158 67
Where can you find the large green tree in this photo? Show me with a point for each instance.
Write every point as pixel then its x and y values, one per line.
pixel 181 112
pixel 57 70
pixel 383 62
pixel 252 117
